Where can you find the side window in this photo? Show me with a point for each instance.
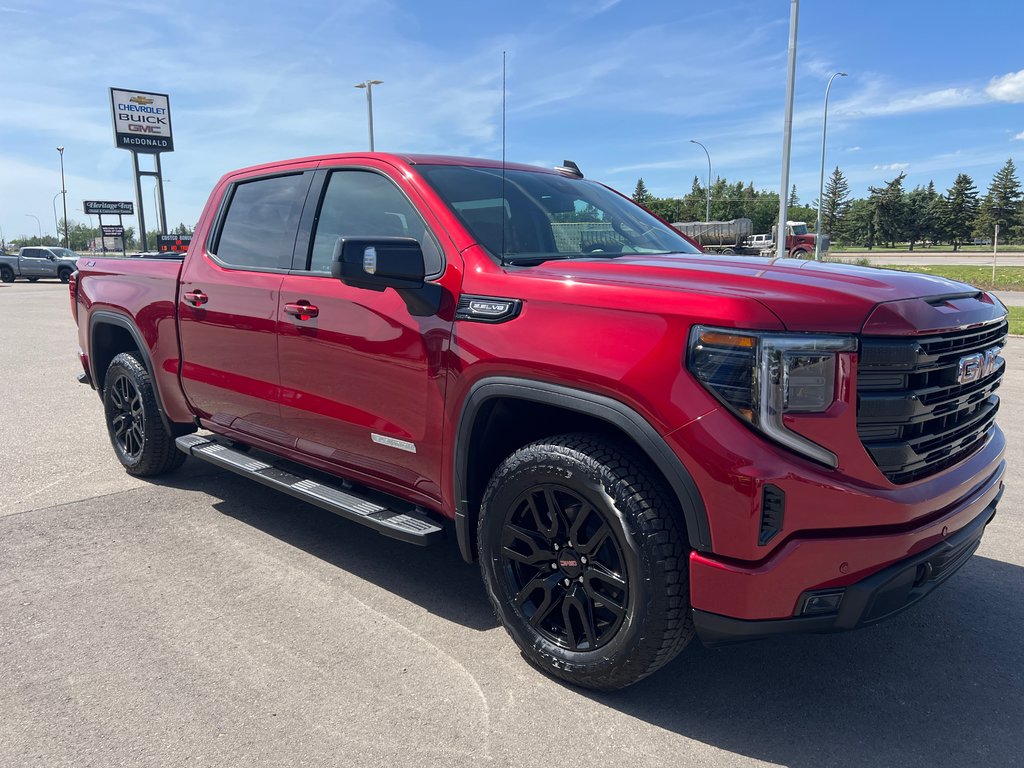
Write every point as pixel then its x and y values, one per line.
pixel 33 253
pixel 367 204
pixel 261 222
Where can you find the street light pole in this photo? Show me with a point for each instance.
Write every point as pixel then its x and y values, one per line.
pixel 707 209
pixel 56 226
pixel 368 85
pixel 38 225
pixel 64 191
pixel 821 178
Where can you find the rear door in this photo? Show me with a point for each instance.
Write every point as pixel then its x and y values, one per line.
pixel 362 380
pixel 35 262
pixel 228 303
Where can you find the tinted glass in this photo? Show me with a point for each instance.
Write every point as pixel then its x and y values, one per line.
pixel 34 253
pixel 261 222
pixel 367 204
pixel 536 216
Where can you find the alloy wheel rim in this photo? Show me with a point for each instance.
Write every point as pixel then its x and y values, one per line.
pixel 128 420
pixel 565 568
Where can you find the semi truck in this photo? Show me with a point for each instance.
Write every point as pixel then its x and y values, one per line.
pixel 736 236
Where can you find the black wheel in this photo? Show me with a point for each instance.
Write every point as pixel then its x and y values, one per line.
pixel 799 253
pixel 6 274
pixel 584 557
pixel 64 274
pixel 137 433
pixel 33 279
pixel 729 252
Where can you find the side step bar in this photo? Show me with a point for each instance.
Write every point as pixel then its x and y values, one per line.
pixel 412 527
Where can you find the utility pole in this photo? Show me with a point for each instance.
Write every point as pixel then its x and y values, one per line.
pixel 64 191
pixel 787 133
pixel 707 209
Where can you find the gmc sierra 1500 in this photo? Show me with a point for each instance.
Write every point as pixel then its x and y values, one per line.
pixel 637 441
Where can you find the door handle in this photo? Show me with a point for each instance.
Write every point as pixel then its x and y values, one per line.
pixel 195 298
pixel 303 310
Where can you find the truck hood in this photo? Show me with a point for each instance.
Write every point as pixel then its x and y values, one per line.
pixel 804 295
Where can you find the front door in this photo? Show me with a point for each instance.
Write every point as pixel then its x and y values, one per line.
pixel 228 302
pixel 362 379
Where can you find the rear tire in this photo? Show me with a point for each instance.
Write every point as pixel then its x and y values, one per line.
pixel 584 557
pixel 6 274
pixel 137 433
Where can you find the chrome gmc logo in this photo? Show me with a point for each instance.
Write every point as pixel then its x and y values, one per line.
pixel 978 366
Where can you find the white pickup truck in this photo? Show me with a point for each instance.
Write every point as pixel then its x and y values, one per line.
pixel 37 262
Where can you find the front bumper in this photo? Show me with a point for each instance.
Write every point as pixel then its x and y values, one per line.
pixel 865 602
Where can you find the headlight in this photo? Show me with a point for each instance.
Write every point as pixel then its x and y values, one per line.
pixel 762 376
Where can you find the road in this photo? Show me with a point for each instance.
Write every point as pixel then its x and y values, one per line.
pixel 922 258
pixel 205 620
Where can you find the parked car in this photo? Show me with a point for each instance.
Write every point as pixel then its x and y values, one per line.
pixel 638 442
pixel 37 262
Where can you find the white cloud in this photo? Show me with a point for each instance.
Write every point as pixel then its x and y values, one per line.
pixel 1007 88
pixel 852 149
pixel 892 167
pixel 945 98
pixel 1019 136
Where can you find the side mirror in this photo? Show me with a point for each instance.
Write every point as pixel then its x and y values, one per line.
pixel 377 263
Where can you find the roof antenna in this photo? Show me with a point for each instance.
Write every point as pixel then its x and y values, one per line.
pixel 501 210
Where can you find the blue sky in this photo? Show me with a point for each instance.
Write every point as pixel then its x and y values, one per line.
pixel 935 88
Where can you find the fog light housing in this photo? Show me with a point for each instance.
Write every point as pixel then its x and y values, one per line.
pixel 820 602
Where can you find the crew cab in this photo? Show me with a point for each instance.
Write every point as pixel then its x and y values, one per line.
pixel 37 262
pixel 636 441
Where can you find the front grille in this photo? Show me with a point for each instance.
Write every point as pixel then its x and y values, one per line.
pixel 913 417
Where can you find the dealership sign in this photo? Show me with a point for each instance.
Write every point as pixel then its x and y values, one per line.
pixel 142 121
pixel 109 206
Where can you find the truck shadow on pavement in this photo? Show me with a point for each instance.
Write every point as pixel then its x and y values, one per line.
pixel 941 684
pixel 435 578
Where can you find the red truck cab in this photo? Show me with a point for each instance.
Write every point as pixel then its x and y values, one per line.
pixel 638 442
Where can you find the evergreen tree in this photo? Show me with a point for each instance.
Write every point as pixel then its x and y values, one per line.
pixel 794 200
pixel 1002 204
pixel 917 222
pixel 889 210
pixel 962 208
pixel 835 201
pixel 641 195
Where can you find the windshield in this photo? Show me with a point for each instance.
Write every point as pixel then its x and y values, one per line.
pixel 64 253
pixel 534 217
pixel 798 228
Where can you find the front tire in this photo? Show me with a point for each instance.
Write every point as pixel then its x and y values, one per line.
pixel 64 275
pixel 137 433
pixel 584 557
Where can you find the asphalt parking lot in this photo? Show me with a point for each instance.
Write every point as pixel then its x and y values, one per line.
pixel 205 620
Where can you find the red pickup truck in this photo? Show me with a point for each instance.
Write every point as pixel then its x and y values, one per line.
pixel 638 442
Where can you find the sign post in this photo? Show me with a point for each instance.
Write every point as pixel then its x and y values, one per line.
pixel 142 124
pixel 109 208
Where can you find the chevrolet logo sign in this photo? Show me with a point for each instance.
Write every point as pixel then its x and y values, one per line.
pixel 975 367
pixel 141 100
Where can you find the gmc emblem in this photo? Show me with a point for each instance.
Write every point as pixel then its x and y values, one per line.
pixel 978 366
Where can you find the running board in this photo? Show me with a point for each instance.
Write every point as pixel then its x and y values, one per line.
pixel 412 527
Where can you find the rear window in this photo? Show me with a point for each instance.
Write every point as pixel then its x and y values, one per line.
pixel 261 222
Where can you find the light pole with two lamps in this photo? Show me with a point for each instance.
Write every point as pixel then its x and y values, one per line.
pixel 707 210
pixel 368 85
pixel 821 178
